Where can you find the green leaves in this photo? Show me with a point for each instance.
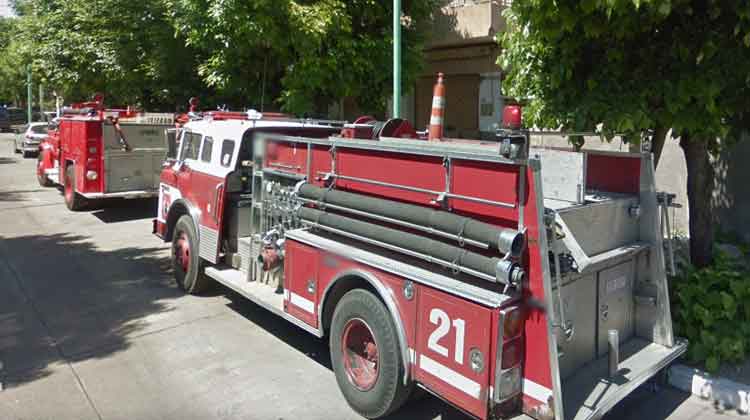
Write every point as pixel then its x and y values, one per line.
pixel 711 308
pixel 299 54
pixel 630 65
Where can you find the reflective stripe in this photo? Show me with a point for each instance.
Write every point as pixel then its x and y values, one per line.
pixel 536 391
pixel 435 120
pixel 450 376
pixel 438 102
pixel 302 303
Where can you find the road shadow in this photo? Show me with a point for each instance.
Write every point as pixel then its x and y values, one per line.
pixel 650 401
pixel 17 195
pixel 120 210
pixel 7 160
pixel 422 406
pixel 63 300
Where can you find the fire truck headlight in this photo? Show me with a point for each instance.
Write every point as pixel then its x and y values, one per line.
pixel 509 384
pixel 91 175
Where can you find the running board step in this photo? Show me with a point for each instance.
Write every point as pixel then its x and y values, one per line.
pixel 259 293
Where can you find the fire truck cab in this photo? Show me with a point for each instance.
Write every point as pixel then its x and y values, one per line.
pixel 508 281
pixel 98 153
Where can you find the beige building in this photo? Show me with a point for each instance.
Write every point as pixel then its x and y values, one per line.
pixel 462 46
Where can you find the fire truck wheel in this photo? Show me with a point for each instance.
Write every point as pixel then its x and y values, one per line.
pixel 365 355
pixel 40 176
pixel 73 200
pixel 187 265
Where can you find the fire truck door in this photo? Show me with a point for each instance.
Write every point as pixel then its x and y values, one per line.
pixel 207 182
pixel 615 304
pixel 202 186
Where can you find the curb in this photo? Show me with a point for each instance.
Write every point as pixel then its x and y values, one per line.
pixel 723 391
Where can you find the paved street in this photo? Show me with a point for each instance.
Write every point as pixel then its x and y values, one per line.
pixel 92 327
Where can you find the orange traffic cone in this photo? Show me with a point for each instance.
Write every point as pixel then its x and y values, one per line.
pixel 438 110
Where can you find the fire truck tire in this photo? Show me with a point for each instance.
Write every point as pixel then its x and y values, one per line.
pixel 73 200
pixel 186 263
pixel 365 355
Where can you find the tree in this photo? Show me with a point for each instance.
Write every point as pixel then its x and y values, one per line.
pixel 12 74
pixel 128 50
pixel 639 67
pixel 304 54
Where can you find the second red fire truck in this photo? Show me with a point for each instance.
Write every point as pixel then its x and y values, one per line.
pixel 507 280
pixel 97 153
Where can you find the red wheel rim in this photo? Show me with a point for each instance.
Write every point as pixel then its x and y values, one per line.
pixel 360 354
pixel 68 188
pixel 182 251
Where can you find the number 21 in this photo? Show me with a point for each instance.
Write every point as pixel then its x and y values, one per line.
pixel 443 322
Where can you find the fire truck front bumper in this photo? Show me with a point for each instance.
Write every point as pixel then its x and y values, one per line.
pixel 590 393
pixel 124 194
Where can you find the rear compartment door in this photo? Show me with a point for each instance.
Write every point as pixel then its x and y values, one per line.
pixel 138 168
pixel 615 310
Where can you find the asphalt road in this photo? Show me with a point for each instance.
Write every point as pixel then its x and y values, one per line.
pixel 92 327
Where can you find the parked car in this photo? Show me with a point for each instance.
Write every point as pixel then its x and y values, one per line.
pixel 10 117
pixel 27 141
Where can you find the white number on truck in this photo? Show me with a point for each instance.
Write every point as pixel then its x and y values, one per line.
pixel 443 322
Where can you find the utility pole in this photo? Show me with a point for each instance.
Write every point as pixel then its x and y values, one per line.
pixel 396 58
pixel 28 93
pixel 41 100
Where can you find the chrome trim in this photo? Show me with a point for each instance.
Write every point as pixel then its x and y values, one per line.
pixel 284 166
pixel 499 360
pixel 438 194
pixel 267 171
pixel 536 167
pixel 208 246
pixel 308 162
pixel 387 295
pixel 126 194
pixel 481 152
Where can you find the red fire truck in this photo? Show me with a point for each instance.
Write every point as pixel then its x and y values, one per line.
pixel 98 153
pixel 507 280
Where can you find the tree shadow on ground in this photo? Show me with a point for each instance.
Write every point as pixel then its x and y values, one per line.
pixel 422 406
pixel 63 300
pixel 17 195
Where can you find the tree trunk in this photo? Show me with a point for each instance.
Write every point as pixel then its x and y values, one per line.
pixel 700 184
pixel 657 143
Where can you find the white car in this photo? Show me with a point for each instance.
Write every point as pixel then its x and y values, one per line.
pixel 27 141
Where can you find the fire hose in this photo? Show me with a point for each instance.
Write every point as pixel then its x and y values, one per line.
pixel 497 270
pixel 463 229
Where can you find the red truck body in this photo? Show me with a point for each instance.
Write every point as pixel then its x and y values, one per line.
pixel 97 153
pixel 306 223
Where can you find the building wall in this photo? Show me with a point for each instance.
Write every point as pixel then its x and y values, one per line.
pixel 732 192
pixel 461 45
